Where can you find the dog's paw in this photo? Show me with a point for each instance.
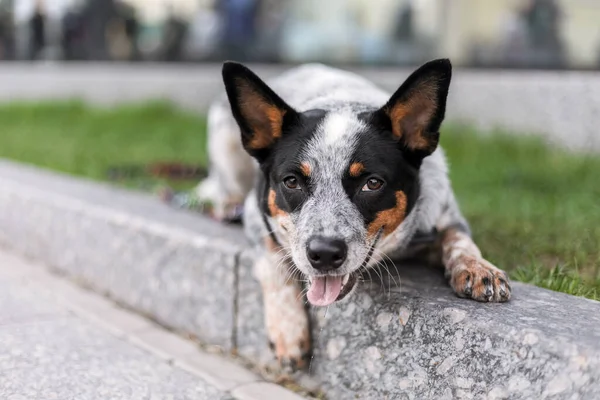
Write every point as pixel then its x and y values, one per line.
pixel 478 279
pixel 213 200
pixel 292 353
pixel 287 329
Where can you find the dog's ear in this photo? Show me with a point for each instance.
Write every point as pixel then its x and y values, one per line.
pixel 416 110
pixel 259 112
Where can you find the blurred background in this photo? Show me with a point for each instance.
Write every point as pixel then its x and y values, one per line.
pixel 549 34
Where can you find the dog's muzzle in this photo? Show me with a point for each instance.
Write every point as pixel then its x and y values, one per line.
pixel 327 289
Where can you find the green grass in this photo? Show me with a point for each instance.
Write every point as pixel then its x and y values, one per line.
pixel 534 210
pixel 81 140
pixel 559 278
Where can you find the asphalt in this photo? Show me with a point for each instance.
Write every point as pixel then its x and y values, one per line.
pixel 58 341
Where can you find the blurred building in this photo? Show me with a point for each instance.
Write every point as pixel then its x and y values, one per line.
pixel 517 33
pixel 479 33
pixel 497 32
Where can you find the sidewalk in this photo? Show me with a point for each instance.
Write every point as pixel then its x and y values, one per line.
pixel 58 341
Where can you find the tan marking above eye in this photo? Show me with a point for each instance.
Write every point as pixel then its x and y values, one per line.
pixel 389 219
pixel 305 168
pixel 356 169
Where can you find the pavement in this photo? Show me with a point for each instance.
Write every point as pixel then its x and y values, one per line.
pixel 60 341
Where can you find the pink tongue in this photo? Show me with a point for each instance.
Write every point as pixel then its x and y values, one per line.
pixel 324 290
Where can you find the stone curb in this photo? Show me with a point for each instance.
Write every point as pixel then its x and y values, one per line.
pixel 225 375
pixel 415 341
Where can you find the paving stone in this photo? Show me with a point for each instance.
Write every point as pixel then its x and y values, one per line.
pixel 223 374
pixel 67 358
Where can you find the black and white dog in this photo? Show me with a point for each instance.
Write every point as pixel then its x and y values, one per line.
pixel 335 174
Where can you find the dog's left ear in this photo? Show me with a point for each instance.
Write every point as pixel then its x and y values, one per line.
pixel 259 112
pixel 416 110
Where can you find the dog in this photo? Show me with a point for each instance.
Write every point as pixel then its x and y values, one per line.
pixel 334 175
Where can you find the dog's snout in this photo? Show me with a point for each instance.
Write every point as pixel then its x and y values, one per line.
pixel 326 254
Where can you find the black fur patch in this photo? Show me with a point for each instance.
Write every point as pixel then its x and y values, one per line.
pixel 383 159
pixel 285 160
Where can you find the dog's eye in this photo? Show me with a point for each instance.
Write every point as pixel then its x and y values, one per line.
pixel 372 185
pixel 291 183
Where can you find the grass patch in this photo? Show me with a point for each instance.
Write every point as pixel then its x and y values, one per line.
pixel 78 139
pixel 559 278
pixel 534 210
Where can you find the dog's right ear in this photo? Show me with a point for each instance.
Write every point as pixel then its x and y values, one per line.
pixel 259 112
pixel 416 110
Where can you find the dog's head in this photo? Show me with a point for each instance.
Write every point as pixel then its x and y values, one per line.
pixel 338 182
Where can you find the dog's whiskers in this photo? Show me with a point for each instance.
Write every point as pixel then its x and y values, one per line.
pixel 294 275
pixel 385 258
pixel 381 265
pixel 377 269
pixel 283 262
pixel 302 294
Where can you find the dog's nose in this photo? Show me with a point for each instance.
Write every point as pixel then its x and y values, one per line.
pixel 326 254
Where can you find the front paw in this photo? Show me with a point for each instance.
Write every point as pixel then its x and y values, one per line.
pixel 478 279
pixel 287 327
pixel 290 344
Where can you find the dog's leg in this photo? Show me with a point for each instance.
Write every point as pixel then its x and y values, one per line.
pixel 470 275
pixel 232 170
pixel 285 316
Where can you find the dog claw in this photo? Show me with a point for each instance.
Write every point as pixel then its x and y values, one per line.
pixel 290 363
pixel 479 280
pixel 290 347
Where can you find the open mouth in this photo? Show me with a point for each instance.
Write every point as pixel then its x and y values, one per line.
pixel 327 289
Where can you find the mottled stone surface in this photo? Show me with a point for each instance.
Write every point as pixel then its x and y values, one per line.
pixel 419 341
pixel 163 262
pixel 415 341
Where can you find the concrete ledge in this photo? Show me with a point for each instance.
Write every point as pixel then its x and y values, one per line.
pixel 143 254
pixel 416 341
